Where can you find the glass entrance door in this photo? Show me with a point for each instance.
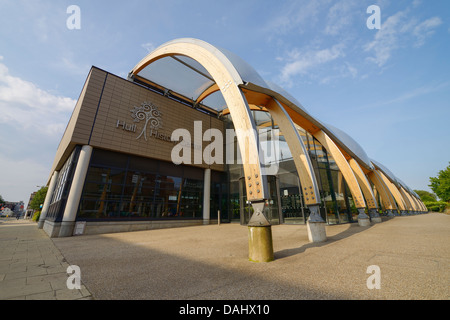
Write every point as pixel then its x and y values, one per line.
pixel 291 207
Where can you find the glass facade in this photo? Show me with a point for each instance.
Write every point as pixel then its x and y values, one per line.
pixel 286 203
pixel 62 188
pixel 120 186
pixel 126 187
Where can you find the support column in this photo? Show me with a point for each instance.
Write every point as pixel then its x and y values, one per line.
pixel 260 245
pixel 374 215
pixel 73 200
pixel 48 198
pixel 363 218
pixel 207 196
pixel 316 225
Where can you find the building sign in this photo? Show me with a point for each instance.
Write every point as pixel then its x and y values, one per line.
pixel 125 126
pixel 149 115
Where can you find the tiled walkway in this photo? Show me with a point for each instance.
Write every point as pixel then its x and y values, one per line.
pixel 31 267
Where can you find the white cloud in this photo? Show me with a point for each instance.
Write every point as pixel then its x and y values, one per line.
pixel 398 31
pixel 23 103
pixel 339 71
pixel 294 15
pixel 340 15
pixel 32 122
pixel 407 96
pixel 386 39
pixel 417 92
pixel 301 62
pixel 149 46
pixel 426 29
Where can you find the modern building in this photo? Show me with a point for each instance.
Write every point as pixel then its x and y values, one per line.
pixel 195 134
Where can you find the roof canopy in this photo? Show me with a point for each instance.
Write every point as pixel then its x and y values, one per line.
pixel 190 79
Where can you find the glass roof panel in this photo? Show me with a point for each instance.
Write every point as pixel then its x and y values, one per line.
pixel 246 71
pixel 179 74
pixel 215 101
pixel 350 143
pixel 386 171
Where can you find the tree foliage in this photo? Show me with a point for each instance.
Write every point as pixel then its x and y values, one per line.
pixel 436 206
pixel 426 196
pixel 39 198
pixel 441 184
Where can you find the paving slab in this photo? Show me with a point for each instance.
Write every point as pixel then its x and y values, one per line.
pixel 31 266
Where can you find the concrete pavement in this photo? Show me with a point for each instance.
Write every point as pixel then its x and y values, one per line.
pixel 211 262
pixel 31 267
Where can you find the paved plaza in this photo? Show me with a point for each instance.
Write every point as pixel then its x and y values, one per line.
pixel 31 267
pixel 211 262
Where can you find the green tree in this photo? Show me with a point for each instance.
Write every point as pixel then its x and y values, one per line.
pixel 426 196
pixel 39 198
pixel 441 184
pixel 1 199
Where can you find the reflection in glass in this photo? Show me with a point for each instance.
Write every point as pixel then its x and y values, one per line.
pixel 126 193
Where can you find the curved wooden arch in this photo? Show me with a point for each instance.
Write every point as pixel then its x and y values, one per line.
pixel 405 199
pixel 416 202
pixel 394 191
pixel 419 203
pixel 414 206
pixel 364 184
pixel 344 167
pixel 213 88
pixel 385 195
pixel 305 170
pixel 228 80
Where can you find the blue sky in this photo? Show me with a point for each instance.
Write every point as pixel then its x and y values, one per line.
pixel 389 88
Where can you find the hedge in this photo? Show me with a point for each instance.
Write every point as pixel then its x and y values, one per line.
pixel 436 206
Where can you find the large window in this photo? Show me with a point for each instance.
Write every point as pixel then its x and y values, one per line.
pixel 59 197
pixel 120 186
pixel 336 206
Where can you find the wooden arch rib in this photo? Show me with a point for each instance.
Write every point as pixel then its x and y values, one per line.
pixel 394 191
pixel 417 202
pixel 385 195
pixel 213 88
pixel 344 167
pixel 410 198
pixel 364 184
pixel 302 162
pixel 228 80
pixel 405 199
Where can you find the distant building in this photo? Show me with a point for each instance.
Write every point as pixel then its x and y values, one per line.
pixel 15 207
pixel 29 212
